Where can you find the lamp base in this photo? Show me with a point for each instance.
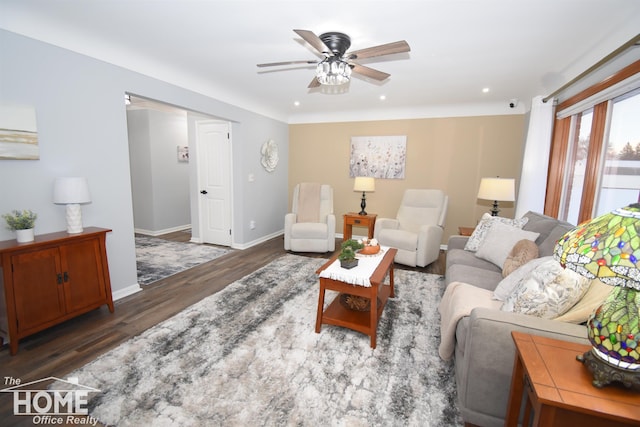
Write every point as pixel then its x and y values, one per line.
pixel 363 205
pixel 74 218
pixel 605 374
pixel 494 209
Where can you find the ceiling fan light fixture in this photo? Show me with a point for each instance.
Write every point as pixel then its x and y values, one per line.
pixel 336 67
pixel 333 71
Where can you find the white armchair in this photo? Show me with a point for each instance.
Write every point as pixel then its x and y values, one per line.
pixel 417 229
pixel 311 224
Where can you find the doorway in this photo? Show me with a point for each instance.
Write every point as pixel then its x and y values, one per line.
pixel 213 141
pixel 168 162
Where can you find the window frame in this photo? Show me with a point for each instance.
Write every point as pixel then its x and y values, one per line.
pixel 560 144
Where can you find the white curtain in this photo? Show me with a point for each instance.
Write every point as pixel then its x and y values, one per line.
pixel 533 180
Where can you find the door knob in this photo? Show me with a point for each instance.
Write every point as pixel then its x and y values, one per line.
pixel 204 192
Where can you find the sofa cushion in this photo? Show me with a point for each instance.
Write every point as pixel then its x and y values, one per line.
pixel 480 277
pixel 547 292
pixel 509 283
pixel 483 226
pixel 400 239
pixel 550 229
pixel 308 230
pixel 591 300
pixel 499 241
pixel 460 256
pixel 543 224
pixel 547 247
pixel 521 253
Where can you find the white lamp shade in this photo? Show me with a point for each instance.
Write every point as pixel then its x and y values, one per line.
pixel 364 183
pixel 500 189
pixel 71 190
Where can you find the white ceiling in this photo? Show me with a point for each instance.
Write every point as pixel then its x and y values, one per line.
pixel 517 49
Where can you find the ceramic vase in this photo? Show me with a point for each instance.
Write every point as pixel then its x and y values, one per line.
pixel 26 235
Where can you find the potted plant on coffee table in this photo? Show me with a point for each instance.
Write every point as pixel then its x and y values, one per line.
pixel 347 255
pixel 22 222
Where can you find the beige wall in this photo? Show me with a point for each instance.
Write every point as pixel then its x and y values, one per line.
pixel 451 154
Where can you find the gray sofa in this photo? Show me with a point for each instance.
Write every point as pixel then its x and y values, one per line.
pixel 484 350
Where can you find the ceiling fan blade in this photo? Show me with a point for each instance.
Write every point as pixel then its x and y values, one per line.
pixel 275 64
pixel 383 49
pixel 369 72
pixel 314 83
pixel 314 41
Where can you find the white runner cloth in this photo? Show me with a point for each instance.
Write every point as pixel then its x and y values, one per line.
pixel 359 275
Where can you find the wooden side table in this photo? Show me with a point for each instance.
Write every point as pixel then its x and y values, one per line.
pixel 559 388
pixel 465 231
pixel 352 218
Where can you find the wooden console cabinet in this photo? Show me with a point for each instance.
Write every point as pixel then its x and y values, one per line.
pixel 52 279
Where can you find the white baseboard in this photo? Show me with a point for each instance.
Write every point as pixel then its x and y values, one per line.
pixel 257 241
pixel 129 290
pixel 154 233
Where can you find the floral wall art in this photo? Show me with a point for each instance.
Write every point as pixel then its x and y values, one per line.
pixel 183 153
pixel 378 156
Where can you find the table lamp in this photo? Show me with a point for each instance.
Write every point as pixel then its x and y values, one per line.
pixel 72 191
pixel 497 189
pixel 364 184
pixel 608 248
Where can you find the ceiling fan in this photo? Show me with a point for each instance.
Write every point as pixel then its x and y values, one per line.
pixel 337 65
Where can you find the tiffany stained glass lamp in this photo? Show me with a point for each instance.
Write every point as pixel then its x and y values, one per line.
pixel 608 248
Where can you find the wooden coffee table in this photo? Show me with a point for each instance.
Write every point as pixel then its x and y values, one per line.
pixel 361 321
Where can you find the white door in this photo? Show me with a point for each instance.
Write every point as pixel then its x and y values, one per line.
pixel 214 181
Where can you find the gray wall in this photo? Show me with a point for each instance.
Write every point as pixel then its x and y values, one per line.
pixel 160 183
pixel 82 131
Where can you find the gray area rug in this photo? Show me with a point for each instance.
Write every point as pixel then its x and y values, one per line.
pixel 158 258
pixel 249 356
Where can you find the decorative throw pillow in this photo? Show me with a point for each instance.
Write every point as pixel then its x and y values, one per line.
pixel 499 241
pixel 509 283
pixel 591 300
pixel 473 243
pixel 548 292
pixel 522 252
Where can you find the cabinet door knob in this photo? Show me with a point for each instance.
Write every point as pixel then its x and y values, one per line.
pixel 204 192
pixel 59 279
pixel 66 276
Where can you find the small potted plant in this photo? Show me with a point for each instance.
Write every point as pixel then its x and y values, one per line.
pixel 347 255
pixel 22 222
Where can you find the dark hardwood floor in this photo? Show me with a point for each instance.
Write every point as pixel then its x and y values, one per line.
pixel 61 349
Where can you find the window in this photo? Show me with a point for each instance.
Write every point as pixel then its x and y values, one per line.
pixel 576 163
pixel 620 180
pixel 594 165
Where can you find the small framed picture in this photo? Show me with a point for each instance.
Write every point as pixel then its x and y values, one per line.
pixel 18 133
pixel 183 153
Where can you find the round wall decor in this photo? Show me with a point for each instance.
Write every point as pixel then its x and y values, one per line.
pixel 269 153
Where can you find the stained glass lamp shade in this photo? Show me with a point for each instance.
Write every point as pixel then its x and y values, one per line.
pixel 608 248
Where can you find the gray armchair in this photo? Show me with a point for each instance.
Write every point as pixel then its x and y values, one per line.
pixel 417 229
pixel 311 224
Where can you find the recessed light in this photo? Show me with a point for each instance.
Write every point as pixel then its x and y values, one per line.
pixel 296 103
pixel 383 97
pixel 485 90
